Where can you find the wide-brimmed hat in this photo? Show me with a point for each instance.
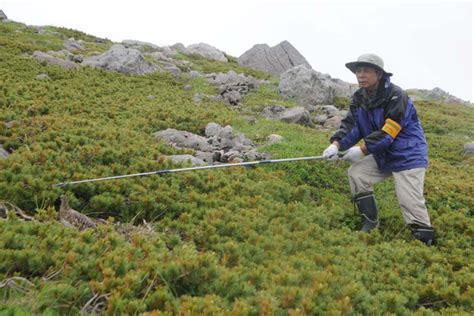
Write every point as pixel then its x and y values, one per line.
pixel 370 60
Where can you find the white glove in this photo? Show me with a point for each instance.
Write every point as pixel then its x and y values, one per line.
pixel 331 151
pixel 354 154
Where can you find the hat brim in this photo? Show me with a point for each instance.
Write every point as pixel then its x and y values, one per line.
pixel 352 66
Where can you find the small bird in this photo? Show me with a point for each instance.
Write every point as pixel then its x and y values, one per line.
pixel 72 218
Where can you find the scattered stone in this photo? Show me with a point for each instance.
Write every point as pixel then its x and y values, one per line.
pixel 296 115
pixel 221 145
pixel 232 86
pixel 188 87
pixel 151 97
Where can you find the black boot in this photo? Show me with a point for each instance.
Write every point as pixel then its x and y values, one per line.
pixel 368 210
pixel 423 233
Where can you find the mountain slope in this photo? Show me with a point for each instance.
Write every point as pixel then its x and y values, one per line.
pixel 273 239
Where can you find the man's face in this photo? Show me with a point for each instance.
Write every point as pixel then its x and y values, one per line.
pixel 367 77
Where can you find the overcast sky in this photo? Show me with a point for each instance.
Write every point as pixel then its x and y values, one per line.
pixel 426 44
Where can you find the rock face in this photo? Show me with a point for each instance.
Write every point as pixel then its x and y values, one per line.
pixel 309 87
pixel 220 145
pixel 206 51
pixel 275 60
pixel 3 16
pixel 436 94
pixel 121 59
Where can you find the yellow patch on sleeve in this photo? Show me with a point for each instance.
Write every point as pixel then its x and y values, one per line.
pixel 391 127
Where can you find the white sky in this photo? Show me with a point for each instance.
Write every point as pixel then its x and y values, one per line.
pixel 426 44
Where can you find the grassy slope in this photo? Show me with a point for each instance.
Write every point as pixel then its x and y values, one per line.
pixel 273 239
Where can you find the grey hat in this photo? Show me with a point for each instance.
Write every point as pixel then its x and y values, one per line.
pixel 368 60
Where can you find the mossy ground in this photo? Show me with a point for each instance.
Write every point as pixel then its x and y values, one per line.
pixel 278 239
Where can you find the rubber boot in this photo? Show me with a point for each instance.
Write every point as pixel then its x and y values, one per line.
pixel 423 233
pixel 368 210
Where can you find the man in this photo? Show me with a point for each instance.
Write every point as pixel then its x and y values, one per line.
pixel 384 116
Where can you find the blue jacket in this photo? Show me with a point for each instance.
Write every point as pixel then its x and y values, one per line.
pixel 390 127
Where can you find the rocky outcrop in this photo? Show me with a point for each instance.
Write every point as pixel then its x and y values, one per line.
pixel 437 95
pixel 275 60
pixel 309 87
pixel 3 16
pixel 121 59
pixel 72 45
pixel 232 86
pixel 48 58
pixel 206 51
pixel 220 145
pixel 141 46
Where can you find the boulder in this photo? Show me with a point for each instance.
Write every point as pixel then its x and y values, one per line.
pixel 206 51
pixel 333 122
pixel 183 139
pixel 186 158
pixel 121 59
pixel 212 129
pixel 179 47
pixel 44 57
pixel 72 45
pixel 309 87
pixel 141 46
pixel 275 60
pixel 469 148
pixel 297 115
pixel 274 138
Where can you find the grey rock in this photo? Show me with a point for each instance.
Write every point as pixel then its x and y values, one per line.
pixel 159 56
pixel 469 148
pixel 333 122
pixel 275 60
pixel 437 95
pixel 329 110
pixel 232 97
pixel 212 129
pixel 42 77
pixel 186 158
pixel 44 57
pixel 188 87
pixel 169 67
pixel 207 157
pixel 273 111
pixel 72 45
pixel 274 138
pixel 206 51
pixel 297 115
pixel 141 46
pixel 195 74
pixel 320 119
pixel 183 139
pixel 121 59
pixel 151 97
pixel 178 47
pixel 3 153
pixel 232 86
pixel 3 16
pixel 309 87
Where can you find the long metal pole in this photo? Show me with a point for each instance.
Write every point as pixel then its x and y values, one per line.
pixel 248 163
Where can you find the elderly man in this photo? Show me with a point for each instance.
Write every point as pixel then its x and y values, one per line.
pixel 384 116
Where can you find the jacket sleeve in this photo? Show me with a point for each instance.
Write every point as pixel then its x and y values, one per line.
pixel 394 114
pixel 348 134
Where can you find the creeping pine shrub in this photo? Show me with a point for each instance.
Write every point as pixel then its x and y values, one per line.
pixel 273 239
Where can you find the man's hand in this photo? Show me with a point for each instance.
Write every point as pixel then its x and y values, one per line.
pixel 354 154
pixel 331 151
